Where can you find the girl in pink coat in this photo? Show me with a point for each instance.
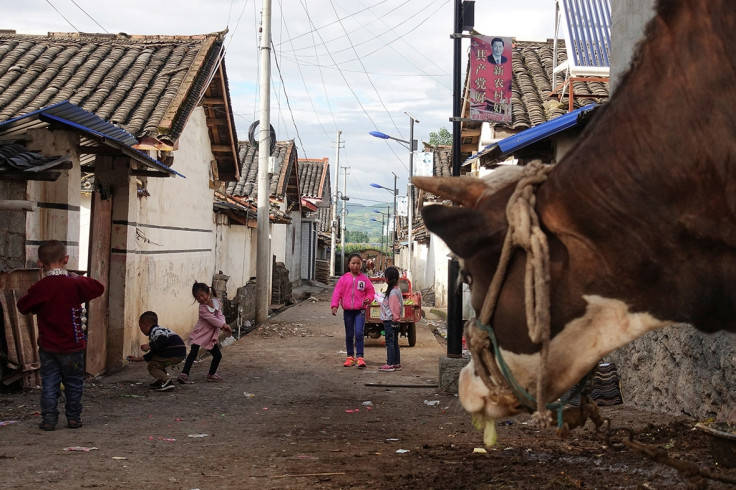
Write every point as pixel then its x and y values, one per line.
pixel 353 291
pixel 206 331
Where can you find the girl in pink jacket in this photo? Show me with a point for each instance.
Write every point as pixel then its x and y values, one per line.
pixel 206 331
pixel 353 291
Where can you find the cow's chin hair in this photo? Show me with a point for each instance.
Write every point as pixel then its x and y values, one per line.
pixel 476 398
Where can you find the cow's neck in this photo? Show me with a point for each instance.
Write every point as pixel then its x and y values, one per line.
pixel 650 187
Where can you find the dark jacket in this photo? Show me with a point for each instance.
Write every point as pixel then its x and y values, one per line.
pixel 164 343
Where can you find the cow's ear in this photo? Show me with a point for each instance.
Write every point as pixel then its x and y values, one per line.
pixel 464 230
pixel 461 190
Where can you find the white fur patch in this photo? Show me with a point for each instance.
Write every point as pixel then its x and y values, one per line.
pixel 606 326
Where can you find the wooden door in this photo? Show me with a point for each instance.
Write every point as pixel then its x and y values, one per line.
pixel 99 268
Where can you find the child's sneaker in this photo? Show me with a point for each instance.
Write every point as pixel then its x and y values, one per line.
pixel 397 367
pixel 214 377
pixel 182 378
pixel 166 386
pixel 386 368
pixel 349 361
pixel 360 362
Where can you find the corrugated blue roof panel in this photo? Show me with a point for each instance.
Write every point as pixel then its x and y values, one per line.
pixel 502 149
pixel 72 116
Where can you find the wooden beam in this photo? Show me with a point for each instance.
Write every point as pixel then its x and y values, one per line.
pixel 468 148
pixel 470 132
pixel 213 101
pixel 149 173
pixel 222 149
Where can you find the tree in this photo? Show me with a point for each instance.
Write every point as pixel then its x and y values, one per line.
pixel 440 138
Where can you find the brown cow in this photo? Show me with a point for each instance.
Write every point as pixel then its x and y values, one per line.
pixel 640 217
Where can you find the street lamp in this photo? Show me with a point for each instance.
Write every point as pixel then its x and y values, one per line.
pixel 411 145
pixel 393 191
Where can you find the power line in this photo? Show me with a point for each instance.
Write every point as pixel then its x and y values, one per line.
pixel 316 29
pixel 93 20
pixel 62 16
pixel 288 104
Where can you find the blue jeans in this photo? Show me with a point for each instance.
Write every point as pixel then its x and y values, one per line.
pixel 391 331
pixel 354 326
pixel 57 368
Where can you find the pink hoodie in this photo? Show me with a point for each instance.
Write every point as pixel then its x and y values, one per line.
pixel 350 291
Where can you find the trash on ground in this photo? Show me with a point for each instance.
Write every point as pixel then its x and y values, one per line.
pixel 479 450
pixel 198 435
pixel 368 403
pixel 431 403
pixel 248 395
pixel 79 448
pixel 402 451
pixel 119 457
pixel 8 422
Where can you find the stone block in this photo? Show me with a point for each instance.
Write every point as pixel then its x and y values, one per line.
pixel 450 368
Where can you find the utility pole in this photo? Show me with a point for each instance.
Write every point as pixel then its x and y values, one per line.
pixel 263 254
pixel 344 199
pixel 333 244
pixel 393 229
pixel 410 213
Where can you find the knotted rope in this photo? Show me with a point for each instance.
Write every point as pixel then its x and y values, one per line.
pixel 524 232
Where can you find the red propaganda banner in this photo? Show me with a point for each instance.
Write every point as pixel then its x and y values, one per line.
pixel 490 79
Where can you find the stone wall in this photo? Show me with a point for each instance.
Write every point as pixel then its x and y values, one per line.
pixel 679 370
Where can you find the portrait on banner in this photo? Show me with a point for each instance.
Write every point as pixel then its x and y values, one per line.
pixel 490 79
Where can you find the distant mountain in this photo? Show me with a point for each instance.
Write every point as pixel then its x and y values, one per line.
pixel 358 219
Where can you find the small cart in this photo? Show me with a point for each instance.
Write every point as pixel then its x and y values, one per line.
pixel 412 311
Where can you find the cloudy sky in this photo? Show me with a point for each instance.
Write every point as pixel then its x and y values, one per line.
pixel 349 65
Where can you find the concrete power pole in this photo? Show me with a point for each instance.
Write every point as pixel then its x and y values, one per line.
pixel 263 254
pixel 344 199
pixel 333 226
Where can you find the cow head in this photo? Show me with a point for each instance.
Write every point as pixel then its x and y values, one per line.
pixel 584 323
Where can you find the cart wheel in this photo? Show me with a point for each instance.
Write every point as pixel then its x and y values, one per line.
pixel 411 334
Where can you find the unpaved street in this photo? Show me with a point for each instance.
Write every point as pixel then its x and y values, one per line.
pixel 290 416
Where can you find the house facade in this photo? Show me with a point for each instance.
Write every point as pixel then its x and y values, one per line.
pixel 135 212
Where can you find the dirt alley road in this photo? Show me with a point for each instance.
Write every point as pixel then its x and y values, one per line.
pixel 290 416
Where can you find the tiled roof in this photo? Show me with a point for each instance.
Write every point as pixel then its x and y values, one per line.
pixel 283 183
pixel 314 178
pixel 148 85
pixel 531 86
pixel 143 83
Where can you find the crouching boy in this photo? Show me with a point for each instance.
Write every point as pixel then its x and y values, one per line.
pixel 164 348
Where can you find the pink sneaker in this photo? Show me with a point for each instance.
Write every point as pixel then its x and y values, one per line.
pixel 397 367
pixel 386 368
pixel 214 377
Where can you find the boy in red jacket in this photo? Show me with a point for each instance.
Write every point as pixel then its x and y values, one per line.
pixel 57 300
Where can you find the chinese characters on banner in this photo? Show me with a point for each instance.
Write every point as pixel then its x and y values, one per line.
pixel 490 79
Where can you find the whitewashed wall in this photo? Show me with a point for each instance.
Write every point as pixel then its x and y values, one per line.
pixel 175 241
pixel 235 253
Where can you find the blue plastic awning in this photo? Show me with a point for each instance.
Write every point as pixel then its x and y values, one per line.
pixel 92 128
pixel 502 149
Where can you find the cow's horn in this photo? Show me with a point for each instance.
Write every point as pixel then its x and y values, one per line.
pixel 460 190
pixel 467 190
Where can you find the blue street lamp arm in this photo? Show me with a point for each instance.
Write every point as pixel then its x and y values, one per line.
pixel 384 136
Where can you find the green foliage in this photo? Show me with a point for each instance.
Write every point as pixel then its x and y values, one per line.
pixel 440 138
